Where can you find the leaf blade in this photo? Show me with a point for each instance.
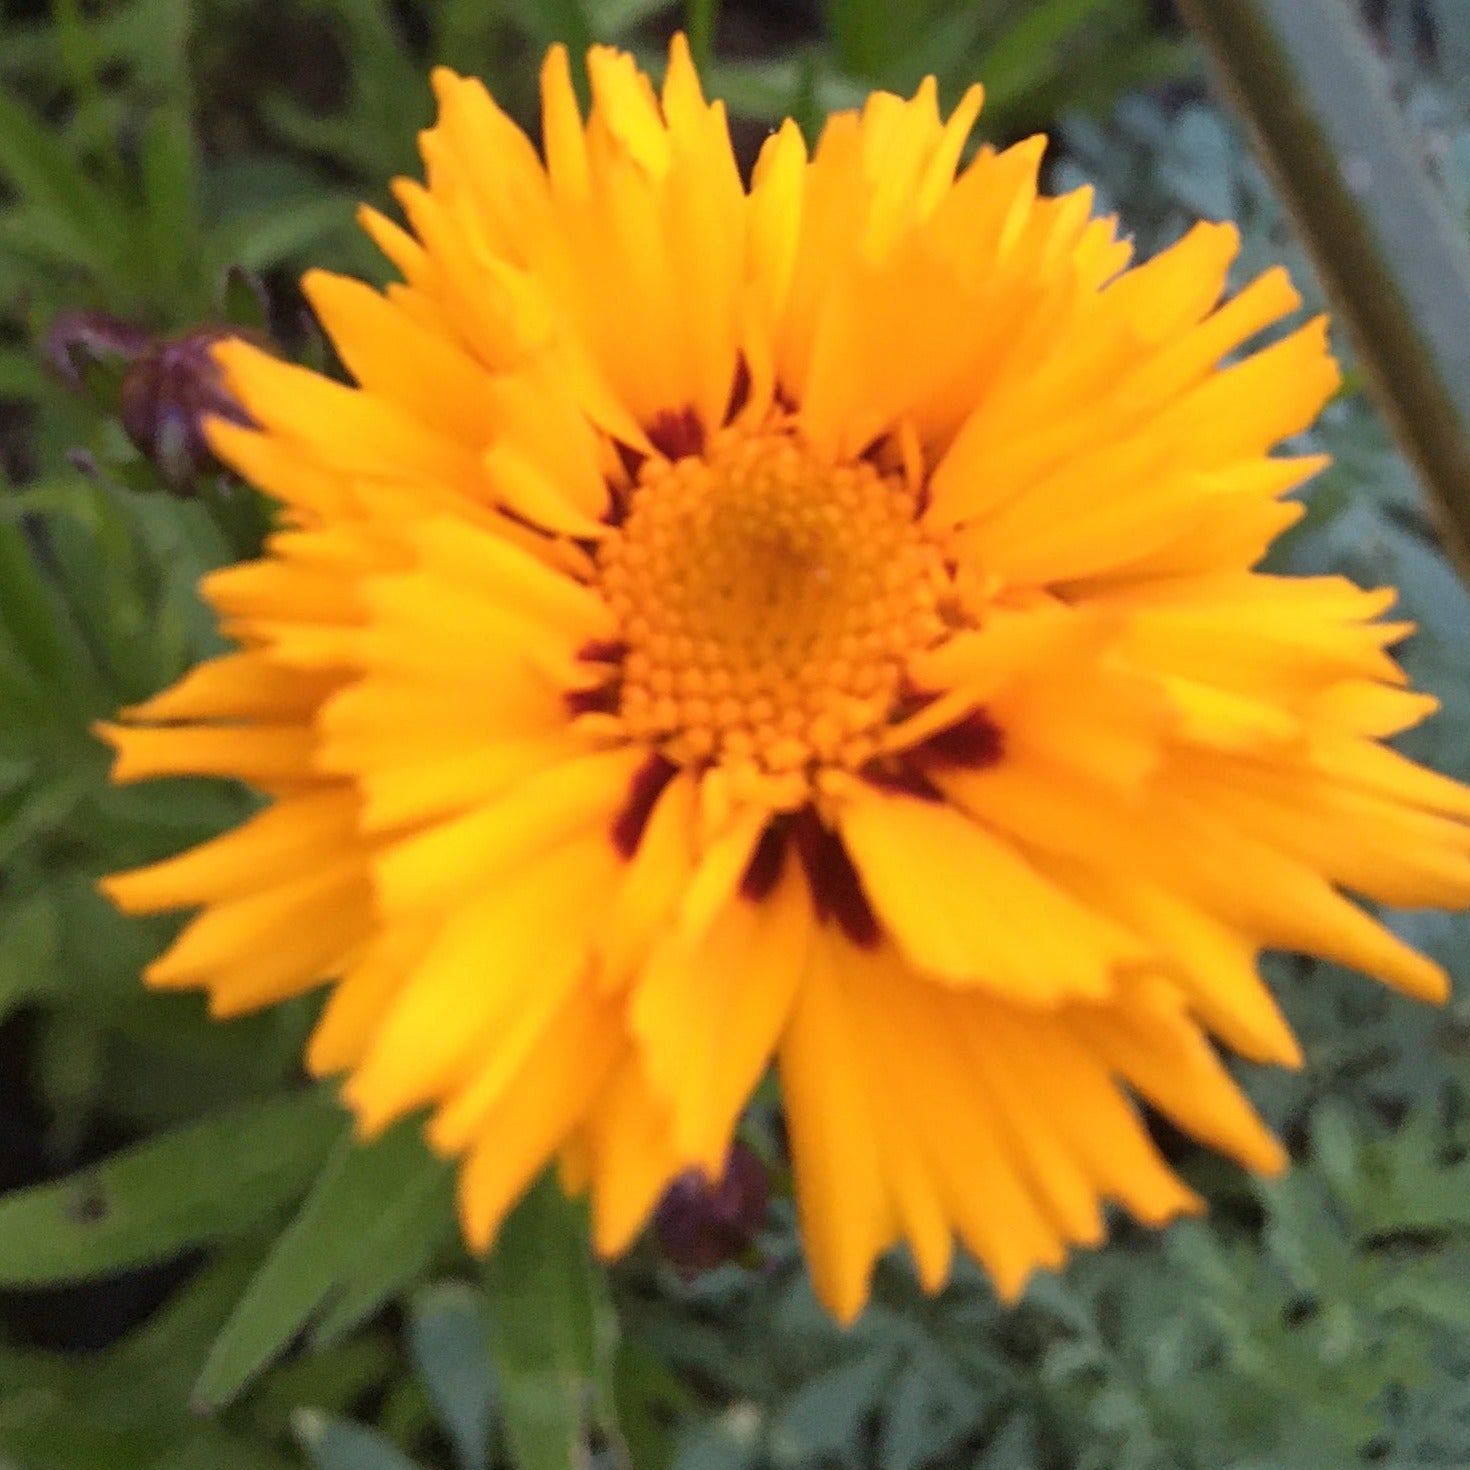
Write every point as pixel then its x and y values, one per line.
pixel 342 1222
pixel 159 1197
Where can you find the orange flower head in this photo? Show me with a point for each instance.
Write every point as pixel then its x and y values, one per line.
pixel 813 624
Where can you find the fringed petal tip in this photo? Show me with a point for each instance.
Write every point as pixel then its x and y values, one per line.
pixel 129 764
pixel 139 891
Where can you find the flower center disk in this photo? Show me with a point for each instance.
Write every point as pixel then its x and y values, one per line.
pixel 768 602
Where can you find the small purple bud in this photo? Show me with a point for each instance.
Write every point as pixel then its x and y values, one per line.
pixel 78 337
pixel 701 1223
pixel 168 393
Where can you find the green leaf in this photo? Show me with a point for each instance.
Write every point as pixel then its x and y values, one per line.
pixel 446 1337
pixel 1013 1448
pixel 266 237
pixel 209 1448
pixel 552 1332
pixel 29 811
pixel 45 1432
pixel 862 32
pixel 825 1415
pixel 548 22
pixel 410 1239
pixel 125 1405
pixel 21 373
pixel 610 17
pixel 928 1407
pixel 171 208
pixel 348 1219
pixel 40 629
pixel 336 1444
pixel 731 1442
pixel 699 23
pixel 1024 56
pixel 70 207
pixel 28 956
pixel 242 299
pixel 210 1181
pixel 331 1382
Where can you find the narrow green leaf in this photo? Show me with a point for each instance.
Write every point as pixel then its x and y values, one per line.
pixel 28 956
pixel 824 1417
pixel 332 1382
pixel 35 616
pixel 77 43
pixel 170 237
pixel 209 1447
pixel 861 32
pixel 350 1215
pixel 40 807
pixel 242 299
pixel 1013 1447
pixel 446 1336
pixel 21 373
pixel 548 22
pixel 1024 55
pixel 730 1442
pixel 552 1332
pixel 612 17
pixel 418 1229
pixel 210 1181
pixel 43 1431
pixel 336 1444
pixel 72 207
pixel 699 22
pixel 282 231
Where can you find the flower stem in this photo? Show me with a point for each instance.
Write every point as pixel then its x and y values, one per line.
pixel 699 22
pixel 1391 258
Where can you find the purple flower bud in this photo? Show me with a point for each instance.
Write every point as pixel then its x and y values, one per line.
pixel 168 393
pixel 79 337
pixel 702 1223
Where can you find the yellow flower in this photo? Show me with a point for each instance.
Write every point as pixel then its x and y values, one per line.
pixel 811 623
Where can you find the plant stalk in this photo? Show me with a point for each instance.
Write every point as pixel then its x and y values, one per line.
pixel 1395 264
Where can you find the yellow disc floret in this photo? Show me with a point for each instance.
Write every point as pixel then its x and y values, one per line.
pixel 768 601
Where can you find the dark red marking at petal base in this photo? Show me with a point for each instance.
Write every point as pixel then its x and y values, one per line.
pixel 601 699
pixel 620 496
pixel 631 459
pixel 911 699
pixel 837 891
pixel 902 776
pixel 739 388
pixel 677 433
pixel 763 871
pixel 603 651
pixel 618 499
pixel 516 518
pixel 974 741
pixel 644 791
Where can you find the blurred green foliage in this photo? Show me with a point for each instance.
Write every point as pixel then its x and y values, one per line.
pixel 251 1289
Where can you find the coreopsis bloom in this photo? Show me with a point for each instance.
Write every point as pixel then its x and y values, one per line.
pixel 809 623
